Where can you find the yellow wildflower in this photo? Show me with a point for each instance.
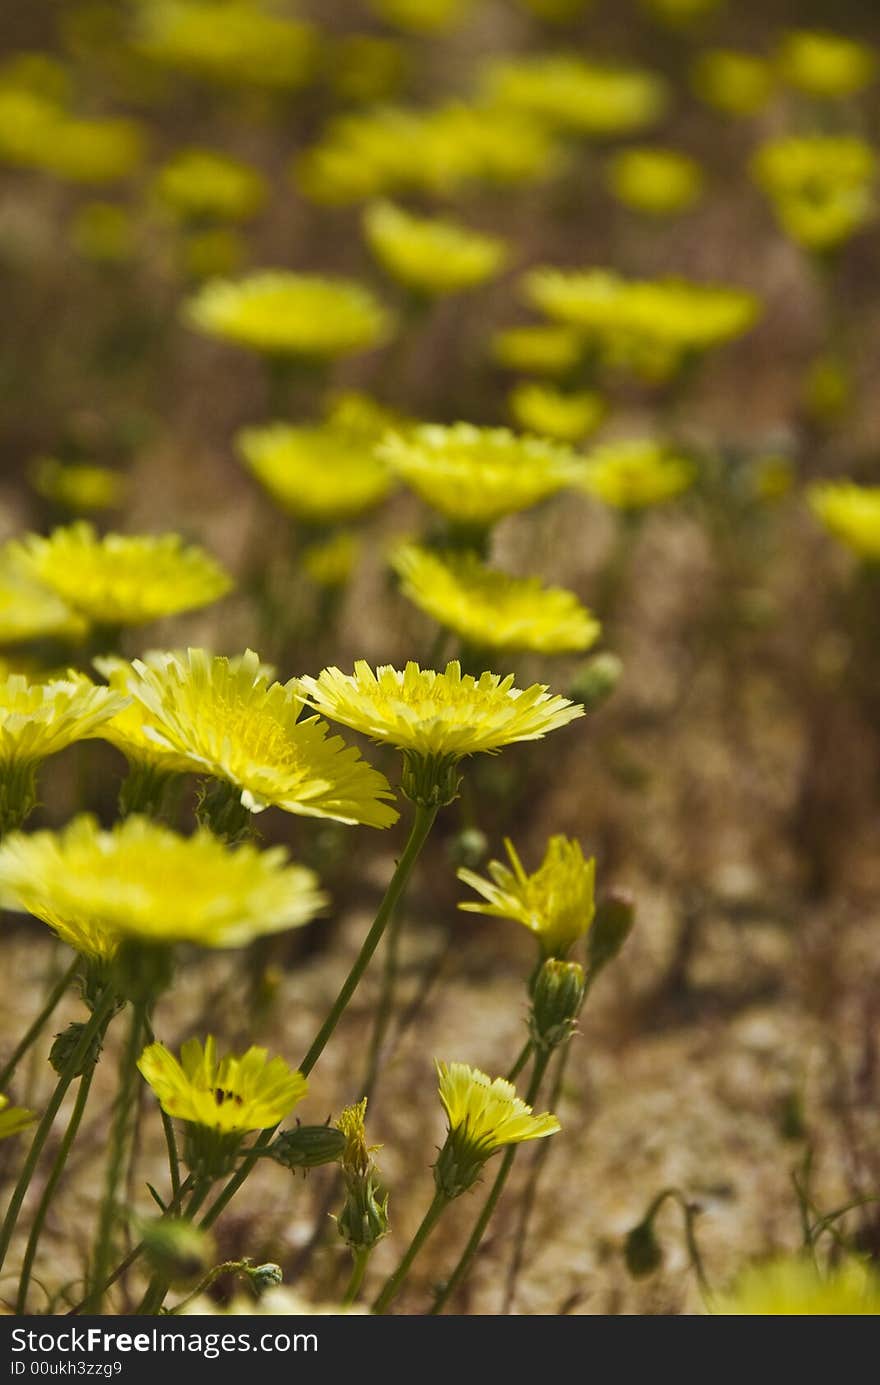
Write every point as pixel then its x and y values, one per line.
pixel 544 350
pixel 238 43
pixel 231 1095
pixel 851 513
pixel 552 413
pixel 654 181
pixel 429 256
pixel 484 1116
pixel 825 64
pixel 320 474
pixel 735 82
pixel 556 902
pixel 633 474
pixel 201 184
pixel 793 1287
pixel 330 563
pixel 77 486
pixel 821 186
pixel 29 611
pixel 13 1118
pixel 578 96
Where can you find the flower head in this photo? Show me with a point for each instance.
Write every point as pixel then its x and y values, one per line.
pixel 429 256
pixel 556 902
pixel 144 882
pixel 77 486
pixel 541 349
pixel 364 1217
pixel 490 610
pixel 552 413
pixel 200 185
pixel 227 718
pixel 118 579
pixel 825 64
pixel 30 611
pixel 484 1115
pixel 475 476
pixel 284 314
pixel 13 1118
pixel 851 513
pixel 574 95
pixel 735 82
pixel 636 473
pixel 321 474
pixel 794 1287
pixel 232 1095
pixel 239 43
pixel 657 182
pixel 821 186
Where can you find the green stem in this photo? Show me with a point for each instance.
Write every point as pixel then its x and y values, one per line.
pixel 394 1283
pixel 158 1287
pixel 385 1007
pixel 520 1062
pixel 359 1269
pixel 90 1031
pixel 469 1253
pixel 232 1186
pixel 39 1023
pixel 228 1267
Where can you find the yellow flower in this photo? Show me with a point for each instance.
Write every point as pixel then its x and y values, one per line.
pixel 655 181
pixel 231 1095
pixel 77 486
pixel 29 611
pixel 211 251
pixel 120 579
pixel 331 563
pixel 825 64
pixel 94 151
pixel 553 413
pixel 362 416
pixel 636 473
pixel 851 513
pixel 238 43
pixel 793 1287
pixel 490 610
pixel 13 1118
pixel 144 882
pixel 827 389
pixel 475 476
pixel 320 474
pixel 437 714
pixel 104 232
pixel 423 16
pixel 821 186
pixel 286 314
pixel 429 256
pixel 556 903
pixel 40 719
pixel 737 83
pixel 574 95
pixel 130 729
pixel 228 718
pixel 545 350
pixel 484 1116
pixel 200 184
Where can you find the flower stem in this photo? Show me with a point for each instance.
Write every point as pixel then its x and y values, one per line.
pixel 520 1062
pixel 90 1030
pixel 469 1253
pixel 394 1283
pixel 34 1031
pixel 159 1285
pixel 359 1269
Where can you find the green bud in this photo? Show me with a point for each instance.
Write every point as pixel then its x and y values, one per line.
pixel 458 1165
pixel 65 1045
pixel 364 1217
pixel 642 1251
pixel 432 781
pixel 307 1146
pixel 176 1249
pixel 556 1000
pixel 264 1277
pixel 609 931
pixel 596 680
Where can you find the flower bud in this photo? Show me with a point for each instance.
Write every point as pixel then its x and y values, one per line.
pixel 364 1217
pixel 65 1045
pixel 432 781
pixel 596 680
pixel 611 928
pixel 176 1249
pixel 556 1001
pixel 264 1277
pixel 307 1146
pixel 642 1251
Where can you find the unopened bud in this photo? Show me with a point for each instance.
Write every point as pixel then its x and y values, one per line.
pixel 264 1277
pixel 596 680
pixel 556 1000
pixel 610 929
pixel 66 1044
pixel 307 1146
pixel 176 1249
pixel 364 1217
pixel 642 1250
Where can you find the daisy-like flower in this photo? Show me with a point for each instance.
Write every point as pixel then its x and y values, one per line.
pixel 738 83
pixel 431 257
pixel 29 611
pixel 142 882
pixel 229 720
pixel 38 720
pixel 484 1116
pixel 436 718
pixel 657 182
pixel 851 513
pixel 561 415
pixel 822 187
pixel 541 349
pixel 322 475
pixel 220 1099
pixel 636 473
pixel 793 1287
pixel 128 729
pixel 203 185
pixel 556 903
pixel 825 64
pixel 574 95
pixel 489 609
pixel 283 314
pixel 13 1118
pixel 475 476
pixel 119 579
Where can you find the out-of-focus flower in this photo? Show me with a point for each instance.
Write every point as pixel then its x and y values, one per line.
pixel 484 1116
pixel 733 81
pixel 77 486
pixel 556 903
pixel 793 1287
pixel 331 562
pixel 323 474
pixel 658 182
pixel 204 185
pixel 822 186
pixel 144 882
pixel 632 474
pixel 364 67
pixel 103 232
pixel 238 43
pixel 431 257
pixel 210 251
pixel 36 132
pixel 120 579
pixel 828 389
pixel 772 477
pixel 423 16
pixel 825 64
pixel 558 414
pixel 488 609
pixel 229 1095
pixel 475 476
pixel 577 96
pixel 285 314
pixel 30 611
pixel 13 1118
pixel 851 513
pixel 540 349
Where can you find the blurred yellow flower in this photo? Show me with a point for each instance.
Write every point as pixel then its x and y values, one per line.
pixel 364 68
pixel 204 185
pixel 322 474
pixel 485 1114
pixel 209 251
pixel 632 474
pixel 793 1287
pixel 557 414
pixel 13 1118
pixel 475 476
pixel 655 181
pixel 37 132
pixel 76 485
pixel 825 64
pixel 331 562
pixel 238 43
pixel 828 389
pixel 120 579
pixel 577 96
pixel 286 314
pixel 773 477
pixel 29 611
pixel 488 609
pixel 230 1095
pixel 822 186
pixel 429 256
pixel 423 16
pixel 556 903
pixel 40 719
pixel 144 882
pixel 540 349
pixel 104 232
pixel 851 513
pixel 228 718
pixel 733 81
